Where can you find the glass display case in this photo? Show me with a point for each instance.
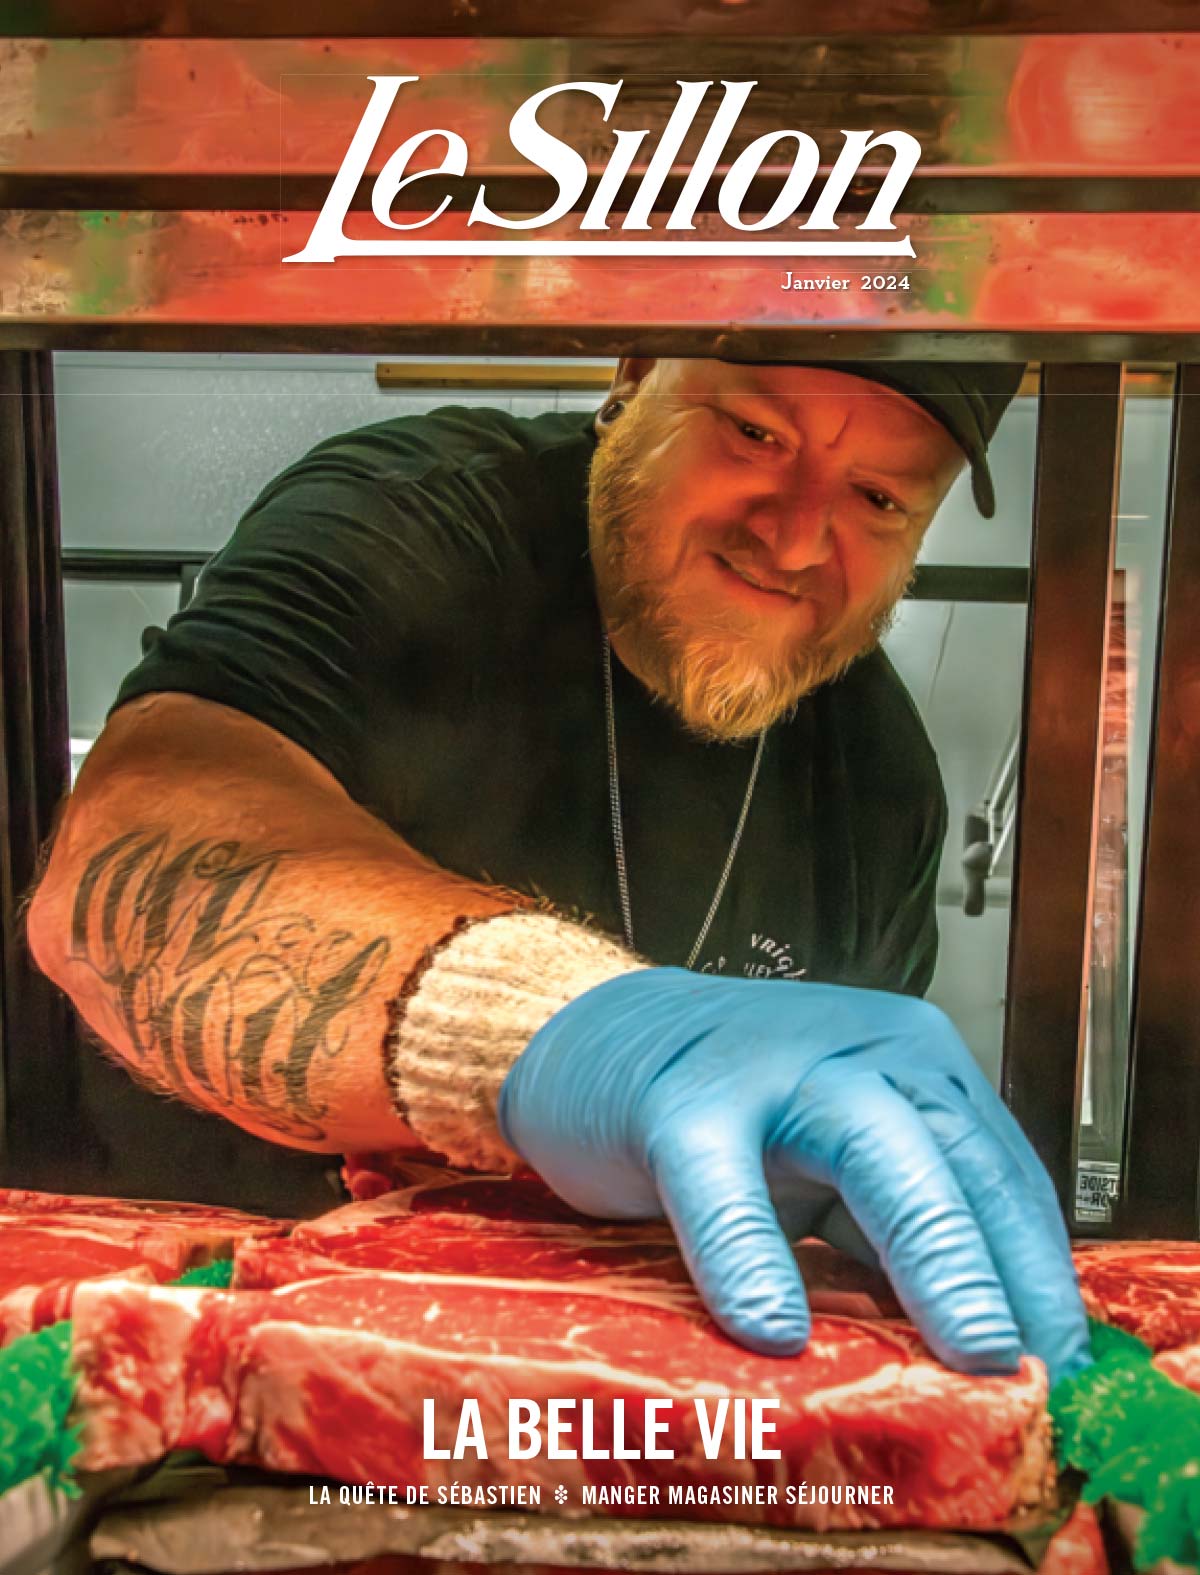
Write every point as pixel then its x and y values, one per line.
pixel 142 219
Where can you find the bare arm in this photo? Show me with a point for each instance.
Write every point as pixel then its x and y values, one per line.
pixel 236 928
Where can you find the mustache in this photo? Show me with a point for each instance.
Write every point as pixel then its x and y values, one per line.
pixel 743 551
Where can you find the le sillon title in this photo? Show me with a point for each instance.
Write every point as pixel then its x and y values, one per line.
pixel 407 200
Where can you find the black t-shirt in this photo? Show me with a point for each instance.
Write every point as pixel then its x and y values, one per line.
pixel 413 604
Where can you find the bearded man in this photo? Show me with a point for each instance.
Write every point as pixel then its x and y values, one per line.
pixel 537 790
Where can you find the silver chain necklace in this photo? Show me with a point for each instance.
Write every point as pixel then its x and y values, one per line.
pixel 618 827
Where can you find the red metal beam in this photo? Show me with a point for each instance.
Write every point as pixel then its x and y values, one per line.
pixel 1000 108
pixel 585 19
pixel 1018 275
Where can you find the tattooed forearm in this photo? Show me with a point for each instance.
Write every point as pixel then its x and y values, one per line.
pixel 227 998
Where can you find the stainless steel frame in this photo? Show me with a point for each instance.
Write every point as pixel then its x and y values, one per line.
pixel 1074 528
pixel 1162 1164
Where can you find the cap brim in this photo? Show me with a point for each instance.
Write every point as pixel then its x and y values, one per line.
pixel 967 399
pixel 981 487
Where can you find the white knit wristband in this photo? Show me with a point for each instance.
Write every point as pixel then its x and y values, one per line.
pixel 478 1002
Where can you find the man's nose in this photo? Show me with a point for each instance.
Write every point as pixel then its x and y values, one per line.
pixel 796 527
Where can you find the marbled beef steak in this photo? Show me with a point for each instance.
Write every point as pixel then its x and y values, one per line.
pixel 1150 1289
pixel 50 1242
pixel 476 1288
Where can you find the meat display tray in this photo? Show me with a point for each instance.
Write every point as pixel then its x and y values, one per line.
pixel 260 1528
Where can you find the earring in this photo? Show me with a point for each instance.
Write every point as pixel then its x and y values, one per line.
pixel 612 410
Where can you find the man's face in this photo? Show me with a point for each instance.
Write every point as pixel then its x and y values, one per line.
pixel 752 529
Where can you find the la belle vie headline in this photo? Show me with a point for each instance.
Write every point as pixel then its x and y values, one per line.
pixel 730 1428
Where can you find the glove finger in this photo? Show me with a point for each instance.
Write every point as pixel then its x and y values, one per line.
pixel 1007 1131
pixel 964 1076
pixel 1022 1209
pixel 883 1160
pixel 715 1195
pixel 1033 1262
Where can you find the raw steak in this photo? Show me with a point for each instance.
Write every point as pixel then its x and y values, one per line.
pixel 1182 1364
pixel 445 1222
pixel 49 1243
pixel 476 1288
pixel 438 1218
pixel 1151 1289
pixel 1078 1547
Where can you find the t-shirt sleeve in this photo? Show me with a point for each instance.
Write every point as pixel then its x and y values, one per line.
pixel 341 570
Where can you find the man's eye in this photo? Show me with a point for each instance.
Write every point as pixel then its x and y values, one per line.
pixel 756 434
pixel 880 501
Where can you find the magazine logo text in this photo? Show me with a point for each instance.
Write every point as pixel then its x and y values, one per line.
pixel 786 148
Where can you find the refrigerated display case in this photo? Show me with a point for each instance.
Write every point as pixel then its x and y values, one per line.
pixel 160 167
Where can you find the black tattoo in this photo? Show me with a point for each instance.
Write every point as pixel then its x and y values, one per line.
pixel 224 1000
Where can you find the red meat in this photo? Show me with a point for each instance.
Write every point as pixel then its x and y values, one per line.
pixel 329 1376
pixel 1150 1288
pixel 49 1243
pixel 442 1222
pixel 458 1288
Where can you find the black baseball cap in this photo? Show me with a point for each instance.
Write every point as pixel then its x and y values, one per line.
pixel 967 397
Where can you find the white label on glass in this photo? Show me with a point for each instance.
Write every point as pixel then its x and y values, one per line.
pixel 1097 1182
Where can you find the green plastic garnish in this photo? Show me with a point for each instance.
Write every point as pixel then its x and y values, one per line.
pixel 1136 1434
pixel 37 1386
pixel 211 1276
pixel 36 1389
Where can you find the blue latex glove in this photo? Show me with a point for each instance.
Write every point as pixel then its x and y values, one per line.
pixel 861 1115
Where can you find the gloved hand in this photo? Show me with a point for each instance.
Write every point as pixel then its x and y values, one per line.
pixel 861 1113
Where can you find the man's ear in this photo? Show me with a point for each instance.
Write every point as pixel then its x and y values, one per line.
pixel 627 379
pixel 631 371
